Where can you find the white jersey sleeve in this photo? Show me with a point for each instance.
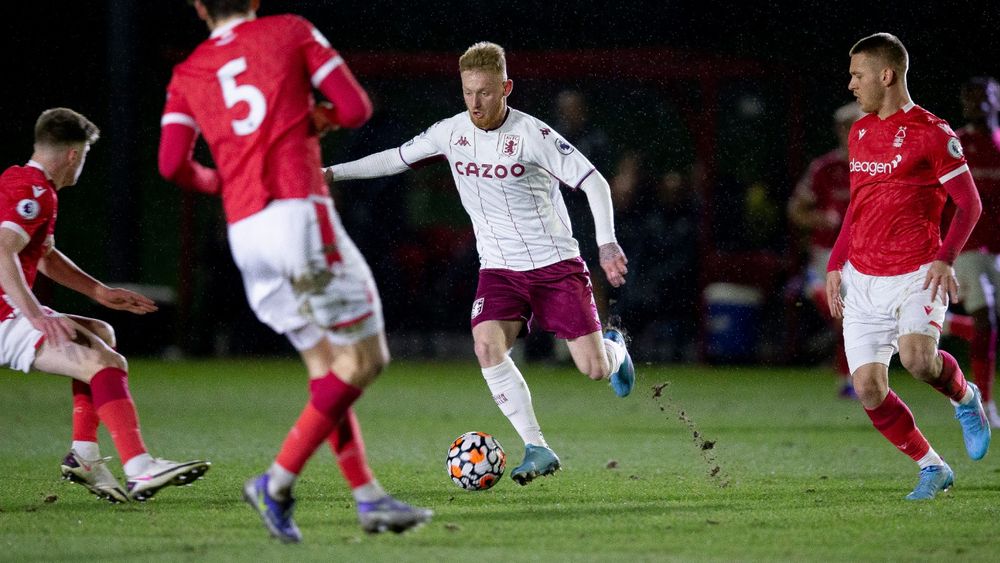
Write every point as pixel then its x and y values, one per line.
pixel 431 144
pixel 559 158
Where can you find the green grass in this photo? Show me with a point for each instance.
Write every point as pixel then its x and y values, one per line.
pixel 800 475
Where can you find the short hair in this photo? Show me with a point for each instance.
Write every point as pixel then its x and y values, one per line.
pixel 484 56
pixel 63 126
pixel 223 8
pixel 886 47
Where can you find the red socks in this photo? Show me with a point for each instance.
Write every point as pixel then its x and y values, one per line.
pixel 349 447
pixel 895 421
pixel 85 418
pixel 114 406
pixel 951 382
pixel 329 401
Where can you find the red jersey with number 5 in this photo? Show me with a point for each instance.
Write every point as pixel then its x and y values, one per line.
pixel 898 166
pixel 248 89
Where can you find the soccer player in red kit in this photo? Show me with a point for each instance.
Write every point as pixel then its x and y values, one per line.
pixel 817 206
pixel 976 268
pixel 890 276
pixel 35 337
pixel 248 90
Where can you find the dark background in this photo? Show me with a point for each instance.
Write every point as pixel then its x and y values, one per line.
pixel 111 60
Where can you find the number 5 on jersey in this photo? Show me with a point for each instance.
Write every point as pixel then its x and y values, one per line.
pixel 233 93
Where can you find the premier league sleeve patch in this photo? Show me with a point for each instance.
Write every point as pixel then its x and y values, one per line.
pixel 955 147
pixel 564 147
pixel 28 209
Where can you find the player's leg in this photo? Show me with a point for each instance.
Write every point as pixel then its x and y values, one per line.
pixel 84 463
pixel 920 319
pixel 562 302
pixel 870 338
pixel 90 360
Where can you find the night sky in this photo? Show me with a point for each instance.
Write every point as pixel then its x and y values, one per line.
pixel 111 59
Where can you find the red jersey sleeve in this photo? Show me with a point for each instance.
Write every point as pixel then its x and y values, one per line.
pixel 24 212
pixel 178 133
pixel 330 75
pixel 947 160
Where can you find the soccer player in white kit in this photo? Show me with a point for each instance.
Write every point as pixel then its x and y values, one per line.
pixel 507 166
pixel 890 275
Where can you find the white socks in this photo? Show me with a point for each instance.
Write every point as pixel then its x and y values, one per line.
pixel 511 394
pixel 89 451
pixel 369 492
pixel 967 398
pixel 137 464
pixel 929 459
pixel 616 353
pixel 280 481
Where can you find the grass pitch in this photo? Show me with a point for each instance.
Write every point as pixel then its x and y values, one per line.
pixel 726 464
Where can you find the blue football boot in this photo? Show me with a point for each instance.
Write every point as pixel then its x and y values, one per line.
pixel 933 480
pixel 390 515
pixel 277 515
pixel 975 425
pixel 538 461
pixel 623 378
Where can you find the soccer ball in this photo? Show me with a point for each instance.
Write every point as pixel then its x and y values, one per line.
pixel 476 461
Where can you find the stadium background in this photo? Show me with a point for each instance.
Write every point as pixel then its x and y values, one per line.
pixel 736 100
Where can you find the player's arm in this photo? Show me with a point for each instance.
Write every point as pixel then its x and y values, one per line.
pixel 349 104
pixel 612 257
pixel 385 163
pixel 178 133
pixel 60 269
pixel 968 207
pixel 57 329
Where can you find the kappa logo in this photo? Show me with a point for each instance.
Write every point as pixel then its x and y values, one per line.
pixel 462 141
pixel 927 310
pixel 545 132
pixel 477 307
pixel 37 190
pixel 861 133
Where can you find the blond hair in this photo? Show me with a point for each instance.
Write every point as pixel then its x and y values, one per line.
pixel 484 56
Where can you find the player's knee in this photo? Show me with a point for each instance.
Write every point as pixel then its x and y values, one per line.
pixel 919 362
pixel 489 353
pixel 105 332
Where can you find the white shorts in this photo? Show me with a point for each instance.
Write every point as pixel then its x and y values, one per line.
pixel 19 342
pixel 880 309
pixel 303 275
pixel 978 275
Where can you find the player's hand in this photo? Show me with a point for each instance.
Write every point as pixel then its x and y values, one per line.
pixel 124 300
pixel 833 294
pixel 328 175
pixel 57 329
pixel 613 262
pixel 321 119
pixel 941 276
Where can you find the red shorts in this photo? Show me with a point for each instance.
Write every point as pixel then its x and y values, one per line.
pixel 557 298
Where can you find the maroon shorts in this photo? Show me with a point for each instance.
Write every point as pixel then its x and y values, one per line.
pixel 557 298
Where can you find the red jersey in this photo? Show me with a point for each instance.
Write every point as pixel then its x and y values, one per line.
pixel 827 186
pixel 28 206
pixel 982 149
pixel 897 167
pixel 248 88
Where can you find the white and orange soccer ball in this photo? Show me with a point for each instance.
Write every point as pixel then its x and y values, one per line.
pixel 476 461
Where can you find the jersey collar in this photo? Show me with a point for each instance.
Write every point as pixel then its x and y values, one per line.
pixel 227 27
pixel 38 165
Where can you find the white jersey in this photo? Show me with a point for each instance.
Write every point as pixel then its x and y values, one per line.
pixel 508 179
